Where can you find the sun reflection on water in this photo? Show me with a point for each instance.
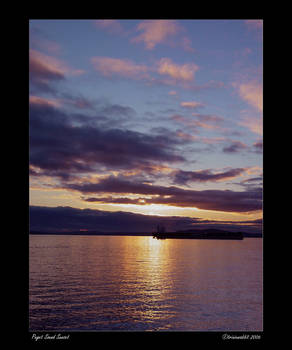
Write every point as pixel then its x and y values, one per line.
pixel 140 283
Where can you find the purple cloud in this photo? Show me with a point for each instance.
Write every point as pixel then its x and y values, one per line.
pixel 58 145
pixel 221 200
pixel 183 177
pixel 234 147
pixel 43 71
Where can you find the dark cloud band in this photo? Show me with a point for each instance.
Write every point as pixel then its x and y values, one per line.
pixel 220 200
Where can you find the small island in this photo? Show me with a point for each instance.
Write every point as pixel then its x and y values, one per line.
pixel 197 234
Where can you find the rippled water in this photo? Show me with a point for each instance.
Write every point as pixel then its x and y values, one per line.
pixel 140 283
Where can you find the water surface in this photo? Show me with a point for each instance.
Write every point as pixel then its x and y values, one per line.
pixel 143 284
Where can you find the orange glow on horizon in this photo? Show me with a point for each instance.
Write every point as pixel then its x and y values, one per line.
pixel 52 197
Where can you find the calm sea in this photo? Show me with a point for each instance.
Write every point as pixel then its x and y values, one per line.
pixel 142 284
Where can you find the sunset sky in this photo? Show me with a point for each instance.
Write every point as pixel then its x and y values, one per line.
pixel 155 117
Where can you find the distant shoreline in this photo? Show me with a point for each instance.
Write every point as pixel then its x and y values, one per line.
pixel 90 233
pixel 84 233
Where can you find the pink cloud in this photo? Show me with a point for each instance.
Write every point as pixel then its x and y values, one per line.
pixel 205 140
pixel 180 119
pixel 208 118
pixel 116 66
pixel 205 121
pixel 184 73
pixel 212 140
pixel 44 101
pixel 164 71
pixel 78 102
pixel 252 93
pixel 192 104
pixel 156 32
pixel 253 123
pixel 48 65
pixel 189 123
pixel 174 73
pixel 204 125
pixel 187 137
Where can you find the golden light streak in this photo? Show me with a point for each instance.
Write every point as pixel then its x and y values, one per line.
pixel 53 197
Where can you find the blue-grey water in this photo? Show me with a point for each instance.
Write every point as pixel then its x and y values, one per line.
pixel 128 283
